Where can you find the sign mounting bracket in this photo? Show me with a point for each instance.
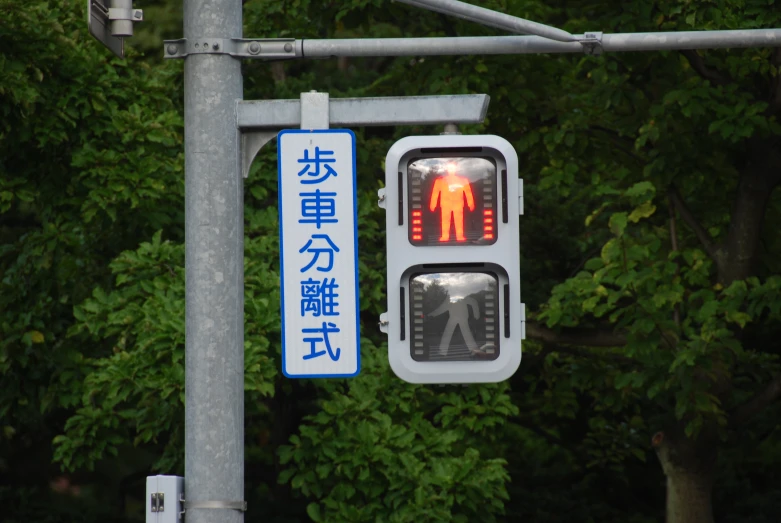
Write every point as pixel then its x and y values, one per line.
pixel 260 121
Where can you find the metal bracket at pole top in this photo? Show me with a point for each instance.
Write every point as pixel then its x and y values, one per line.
pixel 263 48
pixel 592 43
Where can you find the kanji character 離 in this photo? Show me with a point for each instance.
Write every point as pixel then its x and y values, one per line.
pixel 319 297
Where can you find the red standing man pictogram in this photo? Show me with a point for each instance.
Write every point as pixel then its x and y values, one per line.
pixel 451 191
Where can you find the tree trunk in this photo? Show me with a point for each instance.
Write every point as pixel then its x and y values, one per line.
pixel 758 178
pixel 689 497
pixel 689 466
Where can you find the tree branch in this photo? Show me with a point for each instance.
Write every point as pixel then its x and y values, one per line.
pixel 588 256
pixel 674 247
pixel 775 95
pixel 622 143
pixel 698 64
pixel 772 392
pixel 535 359
pixel 699 231
pixel 550 438
pixel 574 336
pixel 603 356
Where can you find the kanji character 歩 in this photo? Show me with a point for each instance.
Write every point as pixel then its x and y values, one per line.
pixel 318 207
pixel 319 297
pixel 324 331
pixel 312 166
pixel 317 251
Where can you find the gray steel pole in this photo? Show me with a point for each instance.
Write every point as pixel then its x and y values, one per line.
pixel 214 267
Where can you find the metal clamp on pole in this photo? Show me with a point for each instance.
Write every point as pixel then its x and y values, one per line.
pixel 592 43
pixel 263 48
pixel 121 15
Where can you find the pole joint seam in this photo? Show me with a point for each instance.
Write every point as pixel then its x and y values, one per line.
pixel 241 506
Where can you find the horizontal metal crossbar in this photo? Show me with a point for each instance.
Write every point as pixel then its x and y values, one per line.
pixel 360 112
pixel 588 43
pixel 488 45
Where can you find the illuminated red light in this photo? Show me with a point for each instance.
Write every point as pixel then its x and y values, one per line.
pixel 488 220
pixel 416 222
pixel 417 237
pixel 416 213
pixel 451 194
pixel 488 212
pixel 417 229
pixel 489 228
pixel 489 236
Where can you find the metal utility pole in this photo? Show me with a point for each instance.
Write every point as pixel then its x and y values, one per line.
pixel 214 269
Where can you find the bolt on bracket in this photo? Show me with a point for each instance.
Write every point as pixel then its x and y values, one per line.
pixel 263 48
pixel 592 43
pixel 157 501
pixel 381 197
pixel 117 13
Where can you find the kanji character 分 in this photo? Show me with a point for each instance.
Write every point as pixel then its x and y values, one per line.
pixel 311 248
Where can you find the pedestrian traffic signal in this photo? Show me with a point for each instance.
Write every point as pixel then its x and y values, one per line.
pixel 454 302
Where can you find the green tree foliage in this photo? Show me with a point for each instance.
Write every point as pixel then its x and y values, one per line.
pixel 650 270
pixel 357 454
pixel 90 162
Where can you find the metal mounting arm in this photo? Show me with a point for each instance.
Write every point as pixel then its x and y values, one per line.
pixel 491 18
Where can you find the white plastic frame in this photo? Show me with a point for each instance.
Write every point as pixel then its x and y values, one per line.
pixel 405 259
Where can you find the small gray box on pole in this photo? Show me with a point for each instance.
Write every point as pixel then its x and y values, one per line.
pixel 163 499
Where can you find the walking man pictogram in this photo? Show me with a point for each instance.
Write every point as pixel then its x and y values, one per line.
pixel 458 316
pixel 451 191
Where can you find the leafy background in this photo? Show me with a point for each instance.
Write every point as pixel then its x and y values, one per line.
pixel 649 254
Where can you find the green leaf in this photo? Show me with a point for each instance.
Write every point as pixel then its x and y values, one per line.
pixel 642 211
pixel 313 511
pixel 618 223
pixel 639 454
pixel 594 264
pixel 640 189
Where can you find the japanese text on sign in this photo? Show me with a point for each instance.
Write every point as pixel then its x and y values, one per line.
pixel 318 252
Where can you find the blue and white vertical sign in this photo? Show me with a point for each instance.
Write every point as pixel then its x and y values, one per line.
pixel 318 236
